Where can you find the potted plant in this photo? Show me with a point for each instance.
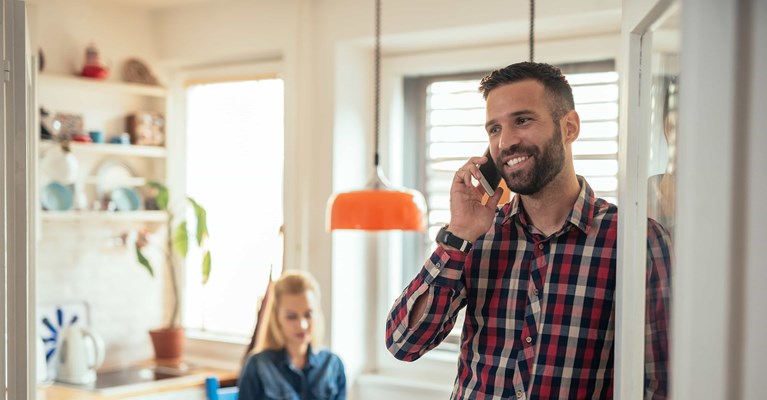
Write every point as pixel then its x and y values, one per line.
pixel 168 342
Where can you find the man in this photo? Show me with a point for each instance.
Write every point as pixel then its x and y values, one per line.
pixel 536 275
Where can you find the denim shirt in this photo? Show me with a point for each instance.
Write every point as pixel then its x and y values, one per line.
pixel 270 375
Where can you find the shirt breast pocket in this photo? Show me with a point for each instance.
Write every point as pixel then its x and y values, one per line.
pixel 325 390
pixel 279 392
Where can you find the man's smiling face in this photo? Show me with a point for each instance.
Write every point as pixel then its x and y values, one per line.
pixel 524 139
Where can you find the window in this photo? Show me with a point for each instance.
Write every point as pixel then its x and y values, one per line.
pixel 449 127
pixel 234 168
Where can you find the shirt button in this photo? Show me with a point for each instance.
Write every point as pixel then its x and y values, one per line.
pixel 528 339
pixel 540 246
pixel 520 394
pixel 535 291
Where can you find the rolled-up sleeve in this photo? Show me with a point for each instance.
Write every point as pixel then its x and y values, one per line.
pixel 441 280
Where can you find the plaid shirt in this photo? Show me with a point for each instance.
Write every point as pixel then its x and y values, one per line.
pixel 540 311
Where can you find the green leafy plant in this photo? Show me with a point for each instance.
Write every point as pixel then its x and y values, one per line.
pixel 177 245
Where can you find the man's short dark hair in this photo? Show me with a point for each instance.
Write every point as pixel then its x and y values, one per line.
pixel 558 90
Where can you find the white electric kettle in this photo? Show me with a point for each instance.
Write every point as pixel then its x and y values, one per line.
pixel 41 371
pixel 80 351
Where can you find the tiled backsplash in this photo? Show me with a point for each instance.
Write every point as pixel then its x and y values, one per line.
pixel 85 261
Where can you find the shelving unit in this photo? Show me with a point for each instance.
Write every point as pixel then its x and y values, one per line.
pixel 104 106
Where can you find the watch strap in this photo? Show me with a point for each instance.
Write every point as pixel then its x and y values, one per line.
pixel 444 236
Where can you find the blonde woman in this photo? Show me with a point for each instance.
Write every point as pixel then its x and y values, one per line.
pixel 290 366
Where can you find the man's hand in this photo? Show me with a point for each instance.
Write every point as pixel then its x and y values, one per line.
pixel 469 218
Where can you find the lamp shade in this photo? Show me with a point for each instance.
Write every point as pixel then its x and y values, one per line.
pixel 377 207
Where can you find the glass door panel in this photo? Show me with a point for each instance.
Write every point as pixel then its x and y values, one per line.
pixel 660 110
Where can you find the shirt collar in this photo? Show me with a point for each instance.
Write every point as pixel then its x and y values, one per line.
pixel 312 359
pixel 580 216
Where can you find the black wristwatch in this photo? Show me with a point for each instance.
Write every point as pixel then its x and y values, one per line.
pixel 444 236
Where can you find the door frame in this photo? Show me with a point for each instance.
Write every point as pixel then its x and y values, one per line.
pixel 709 273
pixel 16 158
pixel 639 17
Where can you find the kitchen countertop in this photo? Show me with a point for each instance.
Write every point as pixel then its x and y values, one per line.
pixel 62 392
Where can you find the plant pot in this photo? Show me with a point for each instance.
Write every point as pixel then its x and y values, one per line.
pixel 168 344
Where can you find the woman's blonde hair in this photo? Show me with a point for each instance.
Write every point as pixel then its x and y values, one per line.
pixel 292 283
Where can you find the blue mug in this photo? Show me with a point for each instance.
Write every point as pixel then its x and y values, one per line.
pixel 96 136
pixel 120 139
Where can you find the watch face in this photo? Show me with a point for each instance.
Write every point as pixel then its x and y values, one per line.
pixel 442 235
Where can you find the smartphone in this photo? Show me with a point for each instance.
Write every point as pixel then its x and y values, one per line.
pixel 490 177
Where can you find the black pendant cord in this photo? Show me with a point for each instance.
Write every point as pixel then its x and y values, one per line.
pixel 377 79
pixel 532 30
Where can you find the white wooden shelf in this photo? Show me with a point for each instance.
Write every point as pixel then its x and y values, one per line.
pixel 136 181
pixel 111 149
pixel 104 216
pixel 81 83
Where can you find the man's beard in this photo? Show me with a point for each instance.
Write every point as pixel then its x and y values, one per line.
pixel 546 165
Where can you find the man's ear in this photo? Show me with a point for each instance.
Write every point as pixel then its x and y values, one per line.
pixel 571 126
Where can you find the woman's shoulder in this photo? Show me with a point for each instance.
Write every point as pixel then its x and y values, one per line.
pixel 326 353
pixel 326 356
pixel 265 357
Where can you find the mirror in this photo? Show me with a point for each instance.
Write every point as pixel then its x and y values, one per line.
pixel 662 107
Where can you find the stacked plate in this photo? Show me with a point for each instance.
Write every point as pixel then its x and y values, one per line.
pixel 126 199
pixel 56 197
pixel 112 174
pixel 114 178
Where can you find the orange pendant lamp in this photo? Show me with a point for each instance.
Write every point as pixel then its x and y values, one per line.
pixel 378 206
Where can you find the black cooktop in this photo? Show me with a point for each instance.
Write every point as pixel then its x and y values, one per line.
pixel 134 375
pixel 138 378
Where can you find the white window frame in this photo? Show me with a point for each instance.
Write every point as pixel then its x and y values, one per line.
pixel 219 351
pixel 439 368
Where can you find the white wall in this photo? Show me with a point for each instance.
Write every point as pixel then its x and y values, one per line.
pixel 83 262
pixel 220 32
pixel 63 29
